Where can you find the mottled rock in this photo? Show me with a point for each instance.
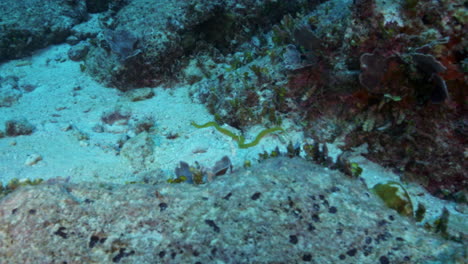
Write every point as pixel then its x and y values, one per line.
pixel 88 29
pixel 116 116
pixel 72 40
pixel 33 24
pixel 163 32
pixel 276 212
pixel 28 87
pixel 139 94
pixel 9 97
pixel 33 159
pixel 18 127
pixel 9 91
pixel 78 52
pixel 138 150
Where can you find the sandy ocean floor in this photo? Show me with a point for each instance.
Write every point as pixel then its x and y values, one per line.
pixel 67 104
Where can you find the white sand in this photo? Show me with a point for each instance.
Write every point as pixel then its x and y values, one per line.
pixel 64 155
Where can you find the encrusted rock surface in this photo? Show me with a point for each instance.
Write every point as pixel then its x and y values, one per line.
pixel 146 40
pixel 281 211
pixel 34 24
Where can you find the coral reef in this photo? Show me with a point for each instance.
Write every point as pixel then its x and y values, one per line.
pixel 359 72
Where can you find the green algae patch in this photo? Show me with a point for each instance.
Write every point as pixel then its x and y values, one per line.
pixel 178 180
pixel 395 197
pixel 17 183
pixel 420 212
pixel 239 139
pixel 355 170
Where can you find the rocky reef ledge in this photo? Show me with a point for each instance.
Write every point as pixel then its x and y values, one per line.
pixel 280 211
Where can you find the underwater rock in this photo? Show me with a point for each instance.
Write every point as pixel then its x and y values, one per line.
pixel 28 87
pixel 18 127
pixel 78 52
pixel 280 211
pixel 292 58
pixel 32 159
pixel 86 30
pixel 116 116
pixel 9 91
pixel 45 23
pixel 376 69
pixel 138 150
pixel 146 43
pixel 72 40
pixel 139 94
pixel 9 97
